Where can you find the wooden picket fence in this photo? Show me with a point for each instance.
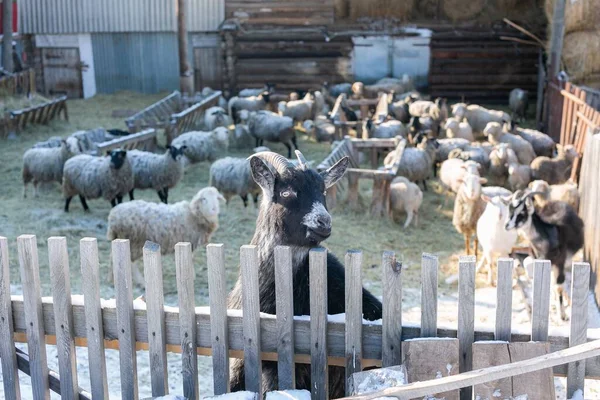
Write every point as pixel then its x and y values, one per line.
pixel 319 340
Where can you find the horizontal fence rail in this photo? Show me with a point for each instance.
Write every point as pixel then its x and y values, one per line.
pixel 321 340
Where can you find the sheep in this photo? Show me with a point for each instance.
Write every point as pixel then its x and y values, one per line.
pixel 472 153
pixel 478 117
pixel 554 232
pixel 318 104
pixel 386 130
pixel 215 117
pixel 298 110
pixel 293 213
pixel 519 175
pixel 416 163
pixel 266 125
pixel 232 176
pixel 542 144
pixel 331 92
pixel 321 129
pixel 160 172
pixel 566 192
pixel 268 88
pixel 44 164
pixel 192 221
pixel 521 147
pixel 456 129
pixel 400 110
pixel 437 109
pixel 405 196
pixel 447 145
pixel 498 171
pixel 518 102
pixel 241 138
pixel 423 126
pixel 469 206
pixel 202 146
pixel 82 142
pixel 388 85
pixel 252 103
pixel 92 177
pixel 492 235
pixel 451 175
pixel 555 170
pixel 54 141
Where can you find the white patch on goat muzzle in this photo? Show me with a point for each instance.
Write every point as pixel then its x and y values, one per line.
pixel 317 216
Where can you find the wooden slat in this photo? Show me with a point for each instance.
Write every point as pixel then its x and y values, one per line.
pixel 63 318
pixel 251 315
pixel 129 140
pixel 541 300
pixel 580 283
pixel 504 299
pixel 217 290
pixel 318 323
pixel 284 297
pixel 10 376
pixel 184 270
pixel 30 279
pixel 391 333
pixel 88 254
pixel 121 258
pixel 354 314
pixel 429 284
pixel 153 275
pixel 466 316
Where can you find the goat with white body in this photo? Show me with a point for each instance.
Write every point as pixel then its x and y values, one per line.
pixel 232 177
pixel 522 148
pixel 202 146
pixel 406 197
pixel 43 165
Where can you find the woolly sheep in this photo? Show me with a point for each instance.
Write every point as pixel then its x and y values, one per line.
pixel 492 235
pixel 256 92
pixel 405 196
pixel 521 147
pixel 472 153
pixel 266 125
pixel 386 130
pixel 478 117
pixel 456 129
pixel 519 175
pixel 555 170
pixel 202 146
pixel 400 110
pixel 298 110
pixel 518 101
pixel 542 144
pixel 92 177
pixel 252 103
pixel 232 177
pixel 166 224
pixel 447 145
pixel 498 171
pixel 82 142
pixel 438 110
pixel 160 172
pixel 387 85
pixel 451 175
pixel 215 117
pixel 566 192
pixel 241 138
pixel 331 92
pixel 321 129
pixel 416 163
pixel 43 165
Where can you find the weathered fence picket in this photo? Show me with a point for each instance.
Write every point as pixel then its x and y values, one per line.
pixel 504 299
pixel 318 323
pixel 466 316
pixel 540 310
pixel 284 292
pixel 10 374
pixel 429 285
pixel 251 317
pixel 354 311
pixel 391 330
pixel 580 283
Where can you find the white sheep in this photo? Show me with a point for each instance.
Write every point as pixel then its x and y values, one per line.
pixel 43 165
pixel 498 170
pixel 492 235
pixel 215 117
pixel 451 175
pixel 93 177
pixel 405 196
pixel 160 172
pixel 298 110
pixel 456 129
pixel 521 147
pixel 202 146
pixel 542 144
pixel 386 130
pixel 555 170
pixel 478 117
pixel 252 103
pixel 519 175
pixel 566 192
pixel 232 177
pixel 165 224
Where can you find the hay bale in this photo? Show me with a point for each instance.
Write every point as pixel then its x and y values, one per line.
pixel 400 9
pixel 580 15
pixel 459 10
pixel 581 54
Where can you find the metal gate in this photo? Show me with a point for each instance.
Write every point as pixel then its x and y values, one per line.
pixel 62 71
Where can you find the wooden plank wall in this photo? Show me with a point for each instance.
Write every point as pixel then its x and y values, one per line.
pixel 477 65
pixel 281 12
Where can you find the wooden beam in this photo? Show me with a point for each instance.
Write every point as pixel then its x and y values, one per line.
pixel 7 34
pixel 556 40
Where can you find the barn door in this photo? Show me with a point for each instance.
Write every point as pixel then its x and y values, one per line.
pixel 62 71
pixel 207 62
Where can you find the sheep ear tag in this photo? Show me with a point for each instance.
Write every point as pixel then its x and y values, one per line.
pixel 335 172
pixel 262 174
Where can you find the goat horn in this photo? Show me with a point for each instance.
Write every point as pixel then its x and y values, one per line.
pixel 279 162
pixel 302 161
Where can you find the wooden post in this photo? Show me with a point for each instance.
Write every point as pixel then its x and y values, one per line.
pixel 10 374
pixel 251 318
pixel 391 335
pixel 556 40
pixel 354 308
pixel 318 323
pixel 466 317
pixel 7 8
pixel 186 76
pixel 285 317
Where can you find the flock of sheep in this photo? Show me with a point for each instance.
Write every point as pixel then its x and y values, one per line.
pixel 480 155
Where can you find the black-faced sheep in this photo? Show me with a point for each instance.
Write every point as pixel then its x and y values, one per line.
pixel 92 177
pixel 202 146
pixel 252 103
pixel 43 165
pixel 232 177
pixel 555 170
pixel 215 117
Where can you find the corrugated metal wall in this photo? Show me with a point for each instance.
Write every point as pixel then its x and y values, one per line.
pixel 91 16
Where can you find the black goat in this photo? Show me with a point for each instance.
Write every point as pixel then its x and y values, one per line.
pixel 554 232
pixel 293 213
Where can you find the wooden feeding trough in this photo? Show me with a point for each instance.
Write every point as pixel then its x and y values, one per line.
pixel 17 120
pixel 380 202
pixel 343 126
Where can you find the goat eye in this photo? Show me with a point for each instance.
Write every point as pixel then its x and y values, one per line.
pixel 286 193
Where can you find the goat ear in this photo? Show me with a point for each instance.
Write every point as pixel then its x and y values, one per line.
pixel 262 174
pixel 335 172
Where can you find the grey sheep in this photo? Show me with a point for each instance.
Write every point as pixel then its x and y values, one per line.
pixel 321 129
pixel 518 102
pixel 92 177
pixel 521 147
pixel 478 117
pixel 160 172
pixel 232 177
pixel 386 130
pixel 566 192
pixel 555 170
pixel 447 145
pixel 252 103
pixel 82 142
pixel 202 146
pixel 44 164
pixel 266 125
pixel 165 224
pixel 417 163
pixel 542 144
pixel 519 175
pixel 331 92
pixel 249 92
pixel 498 170
pixel 472 153
pixel 241 137
pixel 215 117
